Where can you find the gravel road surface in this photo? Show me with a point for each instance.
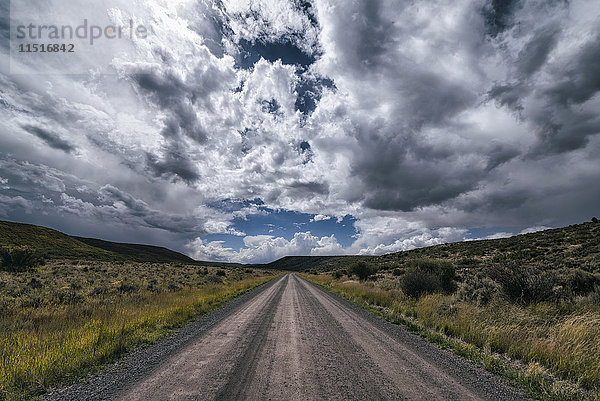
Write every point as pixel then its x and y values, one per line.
pixel 291 340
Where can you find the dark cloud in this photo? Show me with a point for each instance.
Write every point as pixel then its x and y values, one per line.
pixel 501 153
pixel 136 208
pixel 179 98
pixel 581 79
pixel 508 94
pixel 411 115
pixel 396 177
pixel 536 51
pixel 563 124
pixel 51 139
pixel 175 97
pixel 553 102
pixel 367 45
pixel 498 15
pixel 308 188
pixel 172 164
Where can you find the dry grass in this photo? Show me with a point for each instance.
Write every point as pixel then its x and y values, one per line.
pixel 561 341
pixel 90 314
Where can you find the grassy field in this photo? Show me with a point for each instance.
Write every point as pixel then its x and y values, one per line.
pixel 550 350
pixel 525 307
pixel 52 244
pixel 66 318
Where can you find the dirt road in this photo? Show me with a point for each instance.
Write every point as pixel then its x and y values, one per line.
pixel 295 341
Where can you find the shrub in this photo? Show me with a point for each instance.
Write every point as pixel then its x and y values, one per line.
pixel 214 279
pixel 19 258
pixel 127 288
pixel 221 273
pixel 426 276
pixel 35 283
pixel 415 283
pixel 579 282
pixel 337 274
pixel 478 289
pixel 363 270
pixel 523 284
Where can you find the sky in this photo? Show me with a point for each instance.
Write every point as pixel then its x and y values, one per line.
pixel 249 130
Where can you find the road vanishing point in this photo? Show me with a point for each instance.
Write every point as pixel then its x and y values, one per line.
pixel 291 340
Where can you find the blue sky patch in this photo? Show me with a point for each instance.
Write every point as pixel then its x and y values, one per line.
pixel 281 223
pixel 284 50
pixel 309 92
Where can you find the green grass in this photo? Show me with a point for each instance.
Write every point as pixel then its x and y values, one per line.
pixel 50 243
pixel 67 319
pixel 551 351
pixel 53 244
pixel 525 307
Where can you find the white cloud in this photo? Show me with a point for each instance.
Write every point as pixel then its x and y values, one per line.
pixel 265 248
pixel 498 235
pixel 435 123
pixel 320 217
pixel 535 229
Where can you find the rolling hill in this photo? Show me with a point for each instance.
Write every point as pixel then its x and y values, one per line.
pixel 56 245
pixel 575 246
pixel 568 247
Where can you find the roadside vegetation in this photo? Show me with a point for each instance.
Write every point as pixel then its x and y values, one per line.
pixel 63 319
pixel 527 309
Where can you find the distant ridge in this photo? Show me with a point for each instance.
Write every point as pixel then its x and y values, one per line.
pixel 138 252
pixel 56 245
pixel 576 246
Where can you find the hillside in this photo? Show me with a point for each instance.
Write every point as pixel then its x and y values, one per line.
pixel 137 252
pixel 56 245
pixel 568 247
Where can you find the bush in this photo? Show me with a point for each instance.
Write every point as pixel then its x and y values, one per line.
pixel 221 273
pixel 415 283
pixel 127 288
pixel 214 279
pixel 426 276
pixel 478 289
pixel 19 258
pixel 524 284
pixel 579 282
pixel 362 270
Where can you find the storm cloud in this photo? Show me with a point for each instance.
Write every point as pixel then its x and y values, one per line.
pixel 421 120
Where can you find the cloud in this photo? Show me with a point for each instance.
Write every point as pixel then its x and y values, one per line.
pixel 498 235
pixel 8 204
pixel 420 120
pixel 535 229
pixel 266 248
pixel 53 140
pixel 320 217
